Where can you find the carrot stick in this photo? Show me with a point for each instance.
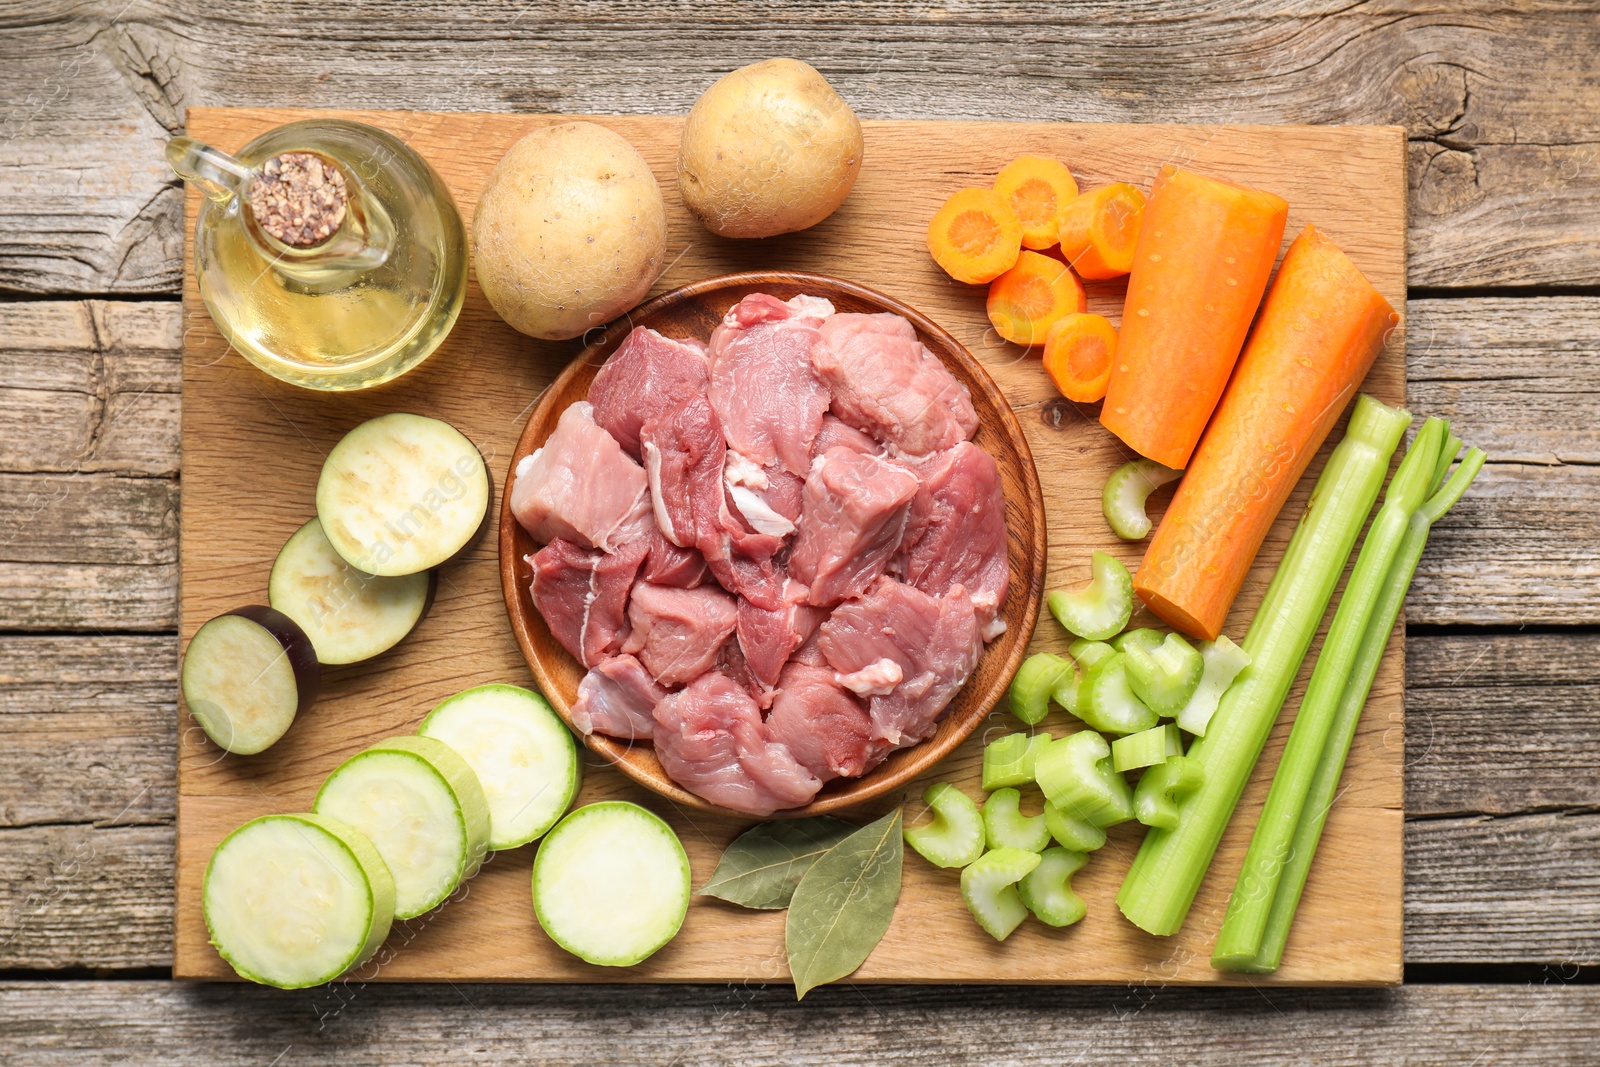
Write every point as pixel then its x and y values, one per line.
pixel 1321 327
pixel 1204 255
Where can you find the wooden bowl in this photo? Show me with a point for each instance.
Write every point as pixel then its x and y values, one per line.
pixel 693 311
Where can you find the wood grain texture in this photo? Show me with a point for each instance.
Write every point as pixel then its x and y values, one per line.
pixel 485 379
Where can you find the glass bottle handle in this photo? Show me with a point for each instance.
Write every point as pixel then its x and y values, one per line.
pixel 215 173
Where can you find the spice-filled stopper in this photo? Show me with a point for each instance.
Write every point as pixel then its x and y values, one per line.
pixel 299 198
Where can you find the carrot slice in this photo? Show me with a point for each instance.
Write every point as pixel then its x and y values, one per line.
pixel 1036 187
pixel 1205 252
pixel 1032 296
pixel 1321 327
pixel 1078 352
pixel 1099 230
pixel 975 237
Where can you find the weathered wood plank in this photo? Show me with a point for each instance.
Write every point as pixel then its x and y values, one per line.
pixel 127 1024
pixel 89 596
pixel 1503 127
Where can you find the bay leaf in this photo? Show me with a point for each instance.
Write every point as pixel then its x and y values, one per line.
pixel 842 906
pixel 765 863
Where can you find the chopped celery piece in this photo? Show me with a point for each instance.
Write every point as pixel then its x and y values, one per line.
pixel 1066 691
pixel 1126 491
pixel 1162 787
pixel 1075 775
pixel 1071 832
pixel 1005 826
pixel 954 838
pixel 1087 653
pixel 1106 700
pixel 1165 677
pixel 1030 689
pixel 989 887
pixel 1100 609
pixel 1047 889
pixel 1144 637
pixel 1084 654
pixel 1160 886
pixel 1009 760
pixel 1223 661
pixel 1146 748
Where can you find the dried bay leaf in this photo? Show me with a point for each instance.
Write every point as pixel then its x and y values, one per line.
pixel 843 905
pixel 762 866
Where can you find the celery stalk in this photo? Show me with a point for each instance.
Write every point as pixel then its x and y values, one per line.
pixel 1166 874
pixel 1246 917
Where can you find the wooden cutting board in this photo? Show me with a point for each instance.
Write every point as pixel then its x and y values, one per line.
pixel 252 448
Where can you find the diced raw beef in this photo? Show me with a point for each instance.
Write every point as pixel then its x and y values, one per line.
pixel 683 458
pixel 766 499
pixel 647 376
pixel 667 564
pixel 836 433
pixel 710 739
pixel 581 486
pixel 886 383
pixel 826 728
pixel 617 698
pixel 956 533
pixel 765 392
pixel 936 642
pixel 582 594
pixel 852 522
pixel 767 638
pixel 676 633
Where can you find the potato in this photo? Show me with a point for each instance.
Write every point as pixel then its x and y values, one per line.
pixel 769 149
pixel 570 231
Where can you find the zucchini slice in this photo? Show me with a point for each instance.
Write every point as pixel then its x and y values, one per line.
pixel 611 883
pixel 246 675
pixel 296 900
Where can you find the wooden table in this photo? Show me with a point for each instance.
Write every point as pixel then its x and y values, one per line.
pixel 1503 832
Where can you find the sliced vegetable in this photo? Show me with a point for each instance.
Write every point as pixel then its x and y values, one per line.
pixel 975 237
pixel 1047 889
pixel 349 615
pixel 1033 683
pixel 1066 691
pixel 402 493
pixel 1076 776
pixel 1101 609
pixel 1004 825
pixel 611 883
pixel 1205 251
pixel 764 865
pixel 296 900
pixel 1071 832
pixel 1320 329
pixel 1146 748
pixel 1160 887
pixel 422 808
pixel 1107 702
pixel 1165 677
pixel 1087 653
pixel 1031 297
pixel 1099 230
pixel 246 675
pixel 955 835
pixel 1246 918
pixel 1078 352
pixel 1008 760
pixel 989 887
pixel 1036 187
pixel 844 904
pixel 523 754
pixel 1145 637
pixel 1163 787
pixel 1223 661
pixel 1126 491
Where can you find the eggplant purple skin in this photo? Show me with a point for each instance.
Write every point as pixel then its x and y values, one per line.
pixel 296 645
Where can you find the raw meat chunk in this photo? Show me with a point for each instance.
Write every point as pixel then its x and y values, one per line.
pixel 617 698
pixel 767 638
pixel 764 390
pixel 683 459
pixel 766 499
pixel 581 486
pixel 582 594
pixel 667 564
pixel 676 633
pixel 956 532
pixel 647 376
pixel 710 739
pixel 826 728
pixel 836 432
pixel 852 522
pixel 886 383
pixel 936 642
